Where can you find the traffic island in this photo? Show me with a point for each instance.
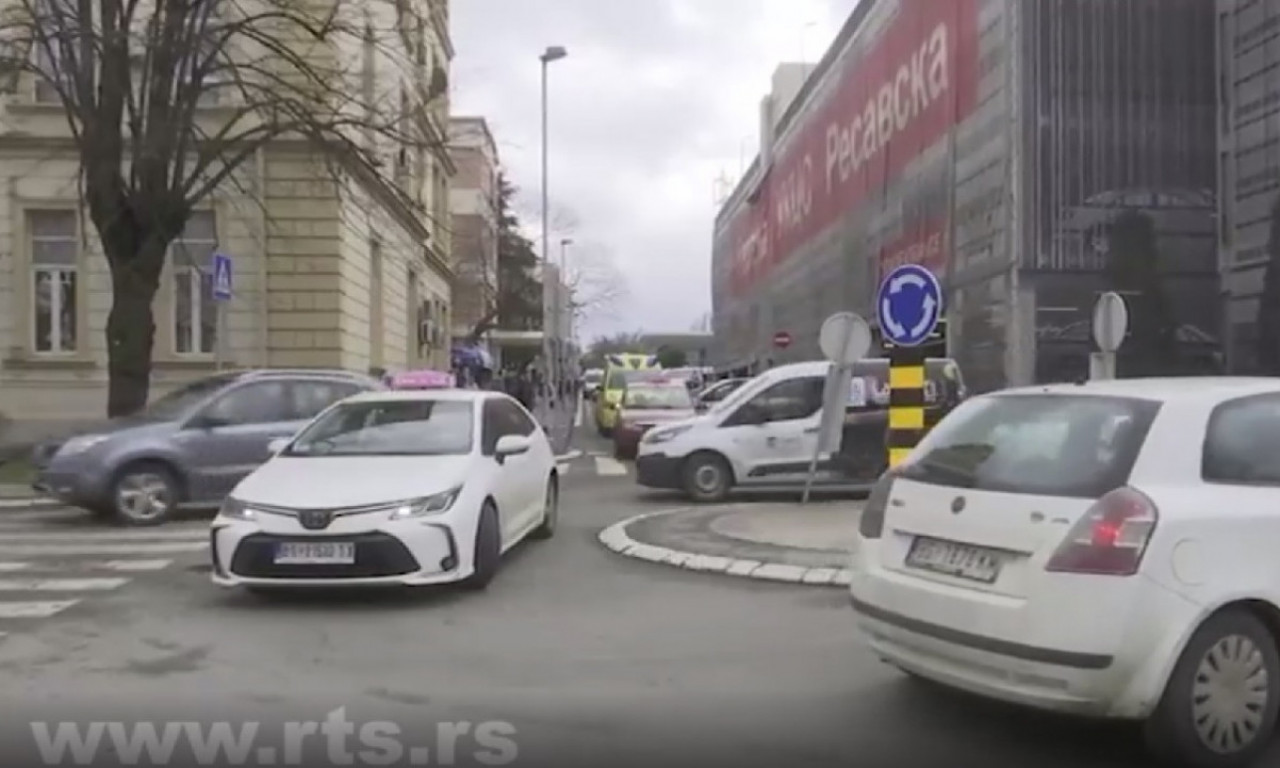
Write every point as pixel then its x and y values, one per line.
pixel 799 544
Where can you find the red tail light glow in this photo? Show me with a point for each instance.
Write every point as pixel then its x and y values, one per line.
pixel 1111 538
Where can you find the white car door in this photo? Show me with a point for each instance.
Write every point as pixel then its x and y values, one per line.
pixel 780 449
pixel 506 483
pixel 529 470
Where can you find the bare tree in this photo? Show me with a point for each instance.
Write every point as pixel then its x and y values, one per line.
pixel 136 78
pixel 596 285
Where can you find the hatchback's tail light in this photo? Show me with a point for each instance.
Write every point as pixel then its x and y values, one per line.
pixel 1111 538
pixel 871 523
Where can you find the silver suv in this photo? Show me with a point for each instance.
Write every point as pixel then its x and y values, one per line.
pixel 191 446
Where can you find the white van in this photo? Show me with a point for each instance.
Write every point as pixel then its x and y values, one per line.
pixel 763 436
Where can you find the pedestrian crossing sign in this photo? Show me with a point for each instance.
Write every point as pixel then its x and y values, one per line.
pixel 221 277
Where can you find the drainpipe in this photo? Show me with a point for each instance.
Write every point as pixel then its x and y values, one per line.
pixel 264 311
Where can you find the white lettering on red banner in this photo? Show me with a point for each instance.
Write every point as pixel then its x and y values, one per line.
pixel 918 84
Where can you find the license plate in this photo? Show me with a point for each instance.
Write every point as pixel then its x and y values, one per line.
pixel 316 553
pixel 959 560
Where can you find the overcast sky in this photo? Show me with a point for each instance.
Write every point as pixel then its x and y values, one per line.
pixel 656 99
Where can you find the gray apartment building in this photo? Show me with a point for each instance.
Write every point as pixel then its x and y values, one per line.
pixel 1249 165
pixel 1008 145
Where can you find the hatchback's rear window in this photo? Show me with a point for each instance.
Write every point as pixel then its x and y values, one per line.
pixel 1055 445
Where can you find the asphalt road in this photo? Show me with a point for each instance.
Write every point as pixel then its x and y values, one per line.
pixel 591 658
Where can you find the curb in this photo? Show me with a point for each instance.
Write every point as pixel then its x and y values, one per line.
pixel 616 538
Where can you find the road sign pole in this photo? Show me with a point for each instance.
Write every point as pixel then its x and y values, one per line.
pixel 1110 323
pixel 220 336
pixel 844 338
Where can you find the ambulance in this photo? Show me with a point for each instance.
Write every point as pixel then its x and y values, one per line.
pixel 618 370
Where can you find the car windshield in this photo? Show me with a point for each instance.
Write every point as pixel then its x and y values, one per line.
pixel 389 428
pixel 1055 445
pixel 180 400
pixel 657 398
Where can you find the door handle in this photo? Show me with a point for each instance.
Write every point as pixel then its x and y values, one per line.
pixel 813 430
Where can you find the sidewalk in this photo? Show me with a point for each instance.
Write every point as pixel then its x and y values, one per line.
pixel 558 420
pixel 769 541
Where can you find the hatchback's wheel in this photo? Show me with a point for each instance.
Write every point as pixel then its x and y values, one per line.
pixel 144 494
pixel 707 477
pixel 550 510
pixel 1220 705
pixel 488 548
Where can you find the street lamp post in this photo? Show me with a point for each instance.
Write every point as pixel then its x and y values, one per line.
pixel 552 53
pixel 564 307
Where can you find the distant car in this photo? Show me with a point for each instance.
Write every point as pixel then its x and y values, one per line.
pixel 1102 549
pixel 391 488
pixel 591 381
pixel 645 405
pixel 190 446
pixel 716 392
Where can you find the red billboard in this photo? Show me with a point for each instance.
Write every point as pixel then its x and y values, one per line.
pixel 896 99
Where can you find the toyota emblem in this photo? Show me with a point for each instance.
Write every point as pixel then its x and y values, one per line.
pixel 315 519
pixel 957 505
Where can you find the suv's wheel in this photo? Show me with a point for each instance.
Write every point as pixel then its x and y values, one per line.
pixel 1220 705
pixel 144 494
pixel 707 477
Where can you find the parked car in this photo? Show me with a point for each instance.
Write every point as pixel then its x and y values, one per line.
pixel 1103 549
pixel 391 488
pixel 717 391
pixel 189 447
pixel 645 405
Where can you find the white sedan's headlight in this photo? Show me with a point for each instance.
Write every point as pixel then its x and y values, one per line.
pixel 236 510
pixel 430 505
pixel 80 444
pixel 666 434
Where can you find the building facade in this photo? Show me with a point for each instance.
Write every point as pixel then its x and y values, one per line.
pixel 347 269
pixel 473 209
pixel 997 142
pixel 1249 168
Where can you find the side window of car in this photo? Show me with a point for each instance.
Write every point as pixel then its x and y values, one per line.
pixel 1242 442
pixel 312 397
pixel 791 399
pixel 261 402
pixel 493 426
pixel 518 422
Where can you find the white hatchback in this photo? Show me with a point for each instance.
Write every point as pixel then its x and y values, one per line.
pixel 1106 549
pixel 403 488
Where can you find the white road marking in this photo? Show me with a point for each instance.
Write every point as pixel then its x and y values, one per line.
pixel 9 567
pixel 43 515
pixel 60 585
pixel 102 536
pixel 562 467
pixel 63 550
pixel 131 565
pixel 34 610
pixel 607 466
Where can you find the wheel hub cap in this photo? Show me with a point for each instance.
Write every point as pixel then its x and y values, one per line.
pixel 143 496
pixel 707 478
pixel 1229 695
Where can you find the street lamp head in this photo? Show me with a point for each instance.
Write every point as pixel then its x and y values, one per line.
pixel 553 53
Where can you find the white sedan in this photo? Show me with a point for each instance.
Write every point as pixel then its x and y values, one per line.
pixel 1106 549
pixel 400 488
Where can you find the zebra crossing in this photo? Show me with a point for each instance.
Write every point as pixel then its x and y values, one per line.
pixel 597 463
pixel 54 559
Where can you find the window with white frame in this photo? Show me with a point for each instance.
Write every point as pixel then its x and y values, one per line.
pixel 195 315
pixel 55 257
pixel 48 71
